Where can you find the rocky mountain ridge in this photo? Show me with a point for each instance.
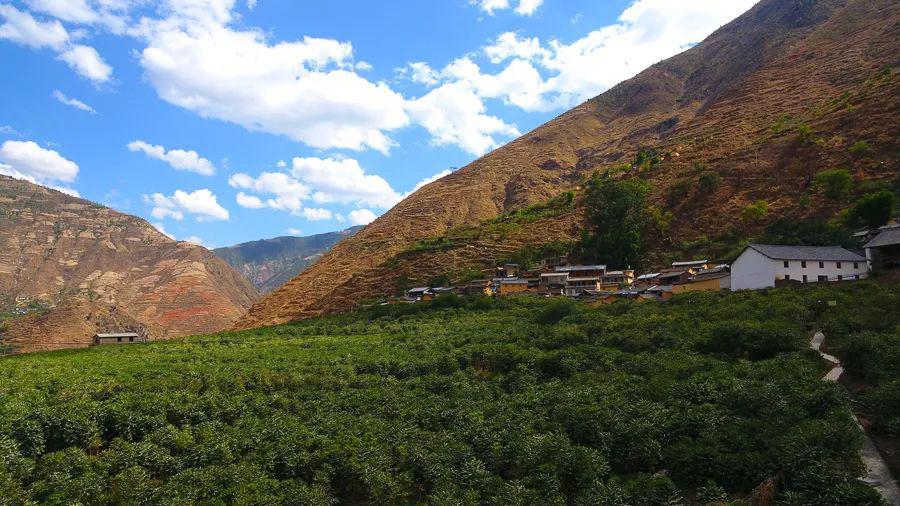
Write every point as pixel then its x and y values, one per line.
pixel 70 253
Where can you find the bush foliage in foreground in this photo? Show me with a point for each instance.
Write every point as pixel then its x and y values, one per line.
pixel 476 402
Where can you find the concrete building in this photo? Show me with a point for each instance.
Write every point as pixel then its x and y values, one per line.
pixel 119 338
pixel 762 265
pixel 883 252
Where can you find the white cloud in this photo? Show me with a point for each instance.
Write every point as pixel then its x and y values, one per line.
pixel 179 159
pixel 72 102
pixel 251 4
pixel 647 32
pixel 420 72
pixel 109 13
pixel 289 193
pixel 23 28
pixel 86 61
pixel 317 214
pixel 28 158
pixel 363 66
pixel 281 164
pixel 295 231
pixel 523 7
pixel 361 217
pixel 8 130
pixel 202 203
pixel 249 201
pixel 304 90
pixel 343 181
pixel 428 180
pixel 454 114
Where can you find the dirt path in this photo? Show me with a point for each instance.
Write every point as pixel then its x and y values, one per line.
pixel 879 476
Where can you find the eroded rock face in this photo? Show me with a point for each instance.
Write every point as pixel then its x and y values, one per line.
pixel 55 248
pixel 710 108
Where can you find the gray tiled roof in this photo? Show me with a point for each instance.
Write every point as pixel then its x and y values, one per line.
pixel 832 253
pixel 889 237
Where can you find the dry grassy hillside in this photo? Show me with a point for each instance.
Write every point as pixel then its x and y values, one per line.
pixel 87 259
pixel 766 102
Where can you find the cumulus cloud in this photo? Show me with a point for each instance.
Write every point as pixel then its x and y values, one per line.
pixel 361 217
pixel 522 8
pixel 317 214
pixel 111 14
pixel 287 193
pixel 72 102
pixel 294 231
pixel 193 239
pixel 29 159
pixel 537 76
pixel 201 203
pixel 179 159
pixel 305 90
pixel 22 28
pixel 343 181
pixel 454 114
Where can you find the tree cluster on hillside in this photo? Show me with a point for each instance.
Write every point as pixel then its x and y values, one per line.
pixel 616 217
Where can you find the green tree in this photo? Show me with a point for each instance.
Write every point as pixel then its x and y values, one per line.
pixel 755 211
pixel 837 183
pixel 617 217
pixel 708 181
pixel 872 209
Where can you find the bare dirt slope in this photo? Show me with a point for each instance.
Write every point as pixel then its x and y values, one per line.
pixel 736 104
pixel 86 259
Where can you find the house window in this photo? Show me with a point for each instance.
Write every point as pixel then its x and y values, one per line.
pixel 856 265
pixel 821 265
pixel 131 339
pixel 823 279
pixel 840 278
pixel 118 339
pixel 805 278
pixel 803 264
pixel 838 265
pixel 786 264
pixel 787 277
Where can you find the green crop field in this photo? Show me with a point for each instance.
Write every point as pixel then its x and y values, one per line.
pixel 464 401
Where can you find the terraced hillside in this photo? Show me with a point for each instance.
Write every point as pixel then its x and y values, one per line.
pixel 100 268
pixel 787 90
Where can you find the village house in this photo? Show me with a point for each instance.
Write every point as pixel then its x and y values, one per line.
pixel 553 283
pixel 508 271
pixel 693 266
pixel 119 338
pixel 669 277
pixel 714 279
pixel 511 286
pixel 762 265
pixel 645 280
pixel 478 287
pixel 883 251
pixel 612 280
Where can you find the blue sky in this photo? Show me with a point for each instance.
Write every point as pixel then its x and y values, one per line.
pixel 223 121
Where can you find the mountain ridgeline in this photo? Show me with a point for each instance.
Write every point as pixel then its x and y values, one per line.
pixel 82 268
pixel 270 263
pixel 789 89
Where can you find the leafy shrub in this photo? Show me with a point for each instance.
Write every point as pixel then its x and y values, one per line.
pixel 556 310
pixel 678 191
pixel 872 210
pixel 837 183
pixel 755 212
pixel 708 181
pixel 860 148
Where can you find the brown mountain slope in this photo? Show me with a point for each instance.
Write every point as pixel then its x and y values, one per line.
pixel 88 259
pixel 732 105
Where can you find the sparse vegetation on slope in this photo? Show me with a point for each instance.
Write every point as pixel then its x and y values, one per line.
pixel 460 401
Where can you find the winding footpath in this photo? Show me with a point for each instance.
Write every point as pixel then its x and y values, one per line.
pixel 878 475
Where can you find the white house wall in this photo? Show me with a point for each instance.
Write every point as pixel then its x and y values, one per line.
pixel 752 271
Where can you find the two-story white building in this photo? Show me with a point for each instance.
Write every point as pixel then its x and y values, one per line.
pixel 761 265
